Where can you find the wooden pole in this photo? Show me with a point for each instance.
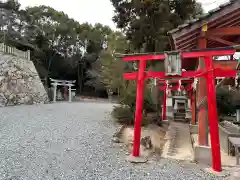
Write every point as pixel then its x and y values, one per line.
pixel 139 107
pixel 213 116
pixel 202 121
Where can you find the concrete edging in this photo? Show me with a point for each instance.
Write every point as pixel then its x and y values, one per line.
pixel 193 129
pixel 201 154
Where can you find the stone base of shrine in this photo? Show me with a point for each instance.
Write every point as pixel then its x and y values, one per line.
pixel 182 144
pixel 170 114
pixel 203 154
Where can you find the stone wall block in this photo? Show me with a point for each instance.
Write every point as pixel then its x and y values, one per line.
pixel 19 82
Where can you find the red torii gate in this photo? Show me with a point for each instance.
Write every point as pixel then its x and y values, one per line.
pixel 164 88
pixel 209 73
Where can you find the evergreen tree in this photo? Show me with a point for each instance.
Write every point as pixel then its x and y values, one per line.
pixel 146 22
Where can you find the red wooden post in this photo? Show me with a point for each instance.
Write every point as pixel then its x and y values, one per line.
pixel 213 116
pixel 139 107
pixel 202 121
pixel 164 104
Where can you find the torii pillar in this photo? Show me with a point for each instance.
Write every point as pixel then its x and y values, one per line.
pixel 202 112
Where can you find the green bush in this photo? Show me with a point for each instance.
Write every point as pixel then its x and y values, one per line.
pixel 124 115
pixel 128 97
pixel 152 99
pixel 225 102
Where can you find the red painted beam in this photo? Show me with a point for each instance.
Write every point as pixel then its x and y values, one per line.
pixel 187 74
pixel 143 57
pixel 225 73
pixel 149 74
pixel 185 55
pixel 225 64
pixel 130 76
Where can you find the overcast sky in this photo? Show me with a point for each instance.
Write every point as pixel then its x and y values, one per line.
pixel 94 11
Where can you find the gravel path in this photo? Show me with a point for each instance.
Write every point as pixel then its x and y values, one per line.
pixel 73 142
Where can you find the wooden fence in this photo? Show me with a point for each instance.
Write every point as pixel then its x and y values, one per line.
pixel 14 51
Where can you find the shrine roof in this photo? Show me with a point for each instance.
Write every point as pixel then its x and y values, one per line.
pixel 186 36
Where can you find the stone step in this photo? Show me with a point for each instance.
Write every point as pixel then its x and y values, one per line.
pixel 181 120
pixel 178 144
pixel 180 116
pixel 180 113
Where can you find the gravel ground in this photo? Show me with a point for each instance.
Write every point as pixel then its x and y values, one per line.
pixel 71 141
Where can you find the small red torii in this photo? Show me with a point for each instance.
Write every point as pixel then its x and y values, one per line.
pixel 209 73
pixel 188 88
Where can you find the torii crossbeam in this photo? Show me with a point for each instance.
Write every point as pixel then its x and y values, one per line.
pixel 209 73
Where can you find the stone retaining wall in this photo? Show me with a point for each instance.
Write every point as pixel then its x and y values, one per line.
pixel 19 82
pixel 226 130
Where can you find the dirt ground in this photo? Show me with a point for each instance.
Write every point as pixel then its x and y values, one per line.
pixel 156 134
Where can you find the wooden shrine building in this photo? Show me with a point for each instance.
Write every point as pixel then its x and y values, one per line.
pixel 218 28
